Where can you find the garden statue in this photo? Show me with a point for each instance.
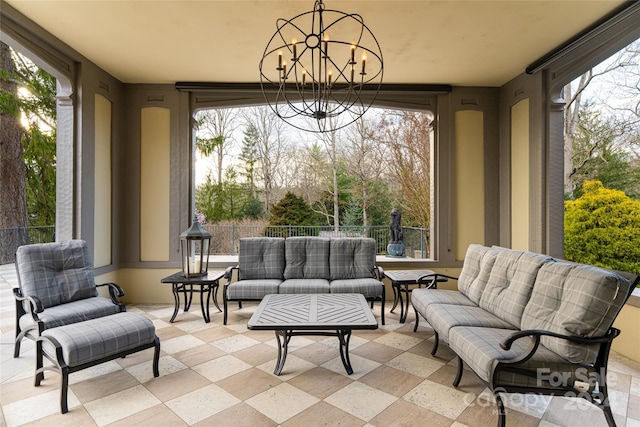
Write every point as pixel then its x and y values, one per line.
pixel 395 248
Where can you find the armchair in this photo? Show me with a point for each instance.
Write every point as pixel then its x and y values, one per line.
pixel 57 287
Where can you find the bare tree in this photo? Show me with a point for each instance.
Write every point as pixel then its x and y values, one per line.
pixel 365 159
pixel 612 89
pixel 214 134
pixel 409 137
pixel 271 147
pixel 329 139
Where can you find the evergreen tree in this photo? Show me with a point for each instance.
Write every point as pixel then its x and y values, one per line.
pixel 37 104
pixel 292 210
pixel 249 158
pixel 603 228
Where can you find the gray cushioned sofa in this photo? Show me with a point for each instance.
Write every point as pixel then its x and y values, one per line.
pixel 273 265
pixel 528 323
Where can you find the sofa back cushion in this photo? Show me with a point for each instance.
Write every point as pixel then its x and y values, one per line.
pixel 476 269
pixel 261 258
pixel 510 283
pixel 306 258
pixel 56 273
pixel 577 300
pixel 352 258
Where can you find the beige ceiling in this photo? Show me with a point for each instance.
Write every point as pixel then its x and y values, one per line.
pixel 483 43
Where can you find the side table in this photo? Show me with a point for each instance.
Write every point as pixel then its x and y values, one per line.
pixel 208 284
pixel 402 279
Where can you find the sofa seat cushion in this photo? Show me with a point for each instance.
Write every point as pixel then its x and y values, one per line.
pixel 576 300
pixel 370 288
pixel 479 347
pixel 261 258
pixel 352 258
pixel 72 312
pixel 476 269
pixel 307 258
pixel 304 286
pixel 252 289
pixel 423 298
pixel 510 284
pixel 443 317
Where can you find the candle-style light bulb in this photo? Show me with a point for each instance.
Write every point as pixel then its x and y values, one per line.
pixel 293 42
pixel 364 61
pixel 279 59
pixel 304 77
pixel 284 71
pixel 353 53
pixel 329 77
pixel 326 45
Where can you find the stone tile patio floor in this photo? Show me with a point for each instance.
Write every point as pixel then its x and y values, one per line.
pixel 218 375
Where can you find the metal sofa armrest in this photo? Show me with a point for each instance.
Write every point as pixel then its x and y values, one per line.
pixel 115 292
pixel 538 333
pixel 507 342
pixel 430 280
pixel 228 274
pixel 378 271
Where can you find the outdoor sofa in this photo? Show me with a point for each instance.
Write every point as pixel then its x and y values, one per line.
pixel 304 265
pixel 529 323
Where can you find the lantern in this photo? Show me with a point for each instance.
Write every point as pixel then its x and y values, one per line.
pixel 194 248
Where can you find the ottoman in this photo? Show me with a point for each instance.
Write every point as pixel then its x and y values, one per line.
pixel 84 344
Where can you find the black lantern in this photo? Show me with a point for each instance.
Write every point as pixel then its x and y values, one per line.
pixel 194 248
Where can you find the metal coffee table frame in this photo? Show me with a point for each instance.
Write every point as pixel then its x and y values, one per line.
pixel 313 314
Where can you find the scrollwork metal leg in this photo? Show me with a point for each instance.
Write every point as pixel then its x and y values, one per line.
pixel 395 297
pixel 187 298
pixel 344 336
pixel 283 338
pixel 176 297
pixel 205 309
pixel 215 295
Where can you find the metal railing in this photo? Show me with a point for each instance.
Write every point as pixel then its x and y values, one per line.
pixel 11 238
pixel 225 239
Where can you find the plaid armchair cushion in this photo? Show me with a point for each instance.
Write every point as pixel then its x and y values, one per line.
pixel 261 258
pixel 352 258
pixel 577 300
pixel 510 284
pixel 73 312
pixel 306 258
pixel 56 273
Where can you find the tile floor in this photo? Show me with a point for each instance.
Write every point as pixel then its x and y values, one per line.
pixel 217 375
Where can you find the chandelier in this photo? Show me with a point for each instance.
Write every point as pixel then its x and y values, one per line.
pixel 323 67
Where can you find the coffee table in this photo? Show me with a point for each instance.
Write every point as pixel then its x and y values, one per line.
pixel 313 314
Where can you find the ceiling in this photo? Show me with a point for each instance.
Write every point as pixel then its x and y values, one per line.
pixel 462 43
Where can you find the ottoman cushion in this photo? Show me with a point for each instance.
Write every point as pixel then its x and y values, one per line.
pixel 95 339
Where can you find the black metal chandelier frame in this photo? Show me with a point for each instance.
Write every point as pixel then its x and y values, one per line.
pixel 315 85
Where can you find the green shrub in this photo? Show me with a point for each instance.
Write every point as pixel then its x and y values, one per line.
pixel 602 228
